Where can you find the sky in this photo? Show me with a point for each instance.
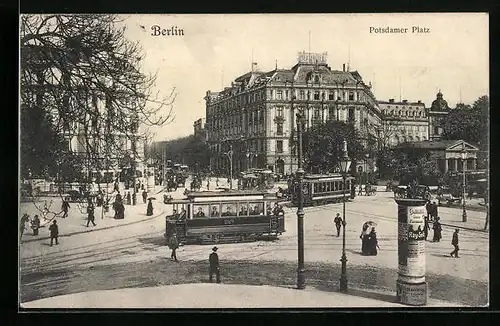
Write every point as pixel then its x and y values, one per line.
pixel 451 54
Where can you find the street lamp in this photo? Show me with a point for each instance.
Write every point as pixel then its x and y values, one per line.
pixel 463 154
pixel 230 156
pixel 366 170
pixel 300 210
pixel 345 164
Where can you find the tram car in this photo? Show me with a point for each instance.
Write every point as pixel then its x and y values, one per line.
pixel 320 189
pixel 225 216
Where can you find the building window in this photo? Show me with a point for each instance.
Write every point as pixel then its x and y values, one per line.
pixel 436 130
pixel 331 113
pixel 316 79
pixel 330 96
pixel 279 129
pixel 316 114
pixel 351 114
pixel 279 95
pixel 279 146
pixel 316 96
pixel 351 96
pixel 279 111
pixel 286 94
pixel 301 95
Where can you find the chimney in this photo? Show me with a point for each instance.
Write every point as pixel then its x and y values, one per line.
pixel 343 67
pixel 391 100
pixel 419 101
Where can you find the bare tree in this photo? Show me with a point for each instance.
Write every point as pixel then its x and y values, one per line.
pixel 389 129
pixel 83 72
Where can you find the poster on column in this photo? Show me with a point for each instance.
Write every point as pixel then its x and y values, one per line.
pixel 416 241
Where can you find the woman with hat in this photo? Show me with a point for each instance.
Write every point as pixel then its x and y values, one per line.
pixel 214 265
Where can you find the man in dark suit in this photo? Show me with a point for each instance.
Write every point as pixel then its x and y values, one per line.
pixel 54 232
pixel 454 242
pixel 214 265
pixel 65 207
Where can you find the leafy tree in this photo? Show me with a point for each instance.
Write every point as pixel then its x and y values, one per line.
pixel 411 164
pixel 322 145
pixel 469 123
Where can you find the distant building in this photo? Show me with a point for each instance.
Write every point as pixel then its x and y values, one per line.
pixel 255 118
pixel 437 112
pixel 403 121
pixel 447 154
pixel 199 129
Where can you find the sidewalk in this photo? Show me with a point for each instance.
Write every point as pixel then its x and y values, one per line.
pixel 205 295
pixel 76 221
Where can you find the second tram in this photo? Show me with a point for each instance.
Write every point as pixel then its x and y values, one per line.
pixel 320 189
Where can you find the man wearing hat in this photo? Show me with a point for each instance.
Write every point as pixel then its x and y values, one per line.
pixel 214 265
pixel 338 223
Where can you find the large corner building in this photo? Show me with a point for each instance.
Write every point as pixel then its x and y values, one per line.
pixel 253 122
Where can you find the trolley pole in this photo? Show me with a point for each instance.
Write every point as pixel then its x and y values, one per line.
pixel 300 210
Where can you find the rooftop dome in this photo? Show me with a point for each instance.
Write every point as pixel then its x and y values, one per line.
pixel 439 104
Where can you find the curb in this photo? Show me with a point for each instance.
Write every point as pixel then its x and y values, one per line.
pixel 94 230
pixel 465 228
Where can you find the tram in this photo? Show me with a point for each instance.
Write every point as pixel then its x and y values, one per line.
pixel 320 189
pixel 257 179
pixel 225 216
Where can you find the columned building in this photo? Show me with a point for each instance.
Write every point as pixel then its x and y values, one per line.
pixel 253 122
pixel 447 154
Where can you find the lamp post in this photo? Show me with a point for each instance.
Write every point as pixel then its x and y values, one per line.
pixel 366 169
pixel 300 210
pixel 230 156
pixel 345 164
pixel 463 154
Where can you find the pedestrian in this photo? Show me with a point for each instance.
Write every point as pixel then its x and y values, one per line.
pixel 437 230
pixel 372 243
pixel 428 209
pixel 35 225
pixel 454 242
pixel 426 226
pixel 208 184
pixel 90 212
pixel 213 259
pixel 149 211
pixel 434 210
pixel 144 196
pixel 338 223
pixel 173 245
pixel 363 238
pixel 24 219
pixel 65 207
pixel 217 181
pixel 54 233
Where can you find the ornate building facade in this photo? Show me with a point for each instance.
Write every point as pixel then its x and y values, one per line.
pixel 403 122
pixel 253 122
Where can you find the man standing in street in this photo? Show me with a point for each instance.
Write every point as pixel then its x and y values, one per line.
pixel 91 216
pixel 338 223
pixel 35 225
pixel 214 265
pixel 173 244
pixel 54 233
pixel 454 242
pixel 65 207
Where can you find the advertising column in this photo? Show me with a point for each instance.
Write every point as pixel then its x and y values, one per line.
pixel 411 286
